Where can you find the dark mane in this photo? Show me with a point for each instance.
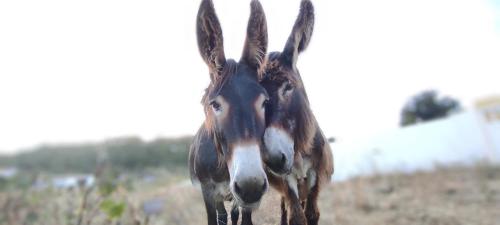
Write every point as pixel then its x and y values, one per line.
pixel 230 68
pixel 305 127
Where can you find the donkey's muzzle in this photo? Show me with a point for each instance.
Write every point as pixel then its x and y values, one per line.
pixel 251 191
pixel 248 179
pixel 279 164
pixel 279 151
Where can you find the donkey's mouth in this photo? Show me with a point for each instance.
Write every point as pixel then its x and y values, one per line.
pixel 245 205
pixel 279 173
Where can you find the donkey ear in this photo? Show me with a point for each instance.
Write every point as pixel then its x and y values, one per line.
pixel 301 33
pixel 255 48
pixel 210 41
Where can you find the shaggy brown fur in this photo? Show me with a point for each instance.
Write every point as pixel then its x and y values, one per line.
pixel 299 192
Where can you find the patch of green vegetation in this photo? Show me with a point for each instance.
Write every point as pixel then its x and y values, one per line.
pixel 124 154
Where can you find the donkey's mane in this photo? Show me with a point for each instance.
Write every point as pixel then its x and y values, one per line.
pixel 305 128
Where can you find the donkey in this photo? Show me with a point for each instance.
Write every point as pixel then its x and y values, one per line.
pixel 225 156
pixel 298 158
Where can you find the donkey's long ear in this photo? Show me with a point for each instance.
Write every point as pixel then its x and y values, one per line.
pixel 255 48
pixel 301 33
pixel 210 41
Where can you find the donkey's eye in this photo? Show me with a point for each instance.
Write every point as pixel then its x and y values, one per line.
pixel 215 105
pixel 287 90
pixel 265 103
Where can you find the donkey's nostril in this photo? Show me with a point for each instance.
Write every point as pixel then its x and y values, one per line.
pixel 283 158
pixel 264 187
pixel 237 188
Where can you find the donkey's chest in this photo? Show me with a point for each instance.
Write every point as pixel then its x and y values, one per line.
pixel 221 190
pixel 302 178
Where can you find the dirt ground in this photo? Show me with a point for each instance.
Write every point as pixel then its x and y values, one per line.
pixel 451 196
pixel 446 196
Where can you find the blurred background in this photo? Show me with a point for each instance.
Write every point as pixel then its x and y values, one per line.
pixel 99 100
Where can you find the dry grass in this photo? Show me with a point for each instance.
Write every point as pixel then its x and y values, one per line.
pixel 457 195
pixel 447 196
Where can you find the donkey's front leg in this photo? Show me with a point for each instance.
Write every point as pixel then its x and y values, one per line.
pixel 297 216
pixel 312 211
pixel 246 217
pixel 221 213
pixel 284 216
pixel 235 214
pixel 209 205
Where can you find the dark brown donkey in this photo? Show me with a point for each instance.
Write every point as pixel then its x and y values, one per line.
pixel 298 158
pixel 225 157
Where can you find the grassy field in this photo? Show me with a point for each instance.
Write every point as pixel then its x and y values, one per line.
pixel 456 195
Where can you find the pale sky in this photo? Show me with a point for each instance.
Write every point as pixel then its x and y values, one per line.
pixel 89 70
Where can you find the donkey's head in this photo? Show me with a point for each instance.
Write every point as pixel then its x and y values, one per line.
pixel 290 123
pixel 235 101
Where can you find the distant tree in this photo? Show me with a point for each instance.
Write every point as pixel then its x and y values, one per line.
pixel 426 106
pixel 124 153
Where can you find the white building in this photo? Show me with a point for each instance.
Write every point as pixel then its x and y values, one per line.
pixel 464 138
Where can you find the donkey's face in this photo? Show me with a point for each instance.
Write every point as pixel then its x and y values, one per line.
pixel 235 101
pixel 288 115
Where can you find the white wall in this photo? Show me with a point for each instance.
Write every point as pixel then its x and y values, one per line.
pixel 464 138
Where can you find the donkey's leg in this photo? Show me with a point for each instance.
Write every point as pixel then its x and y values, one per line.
pixel 312 211
pixel 221 213
pixel 246 217
pixel 235 214
pixel 297 216
pixel 209 205
pixel 284 217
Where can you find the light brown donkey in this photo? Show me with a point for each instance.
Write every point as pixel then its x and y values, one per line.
pixel 298 158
